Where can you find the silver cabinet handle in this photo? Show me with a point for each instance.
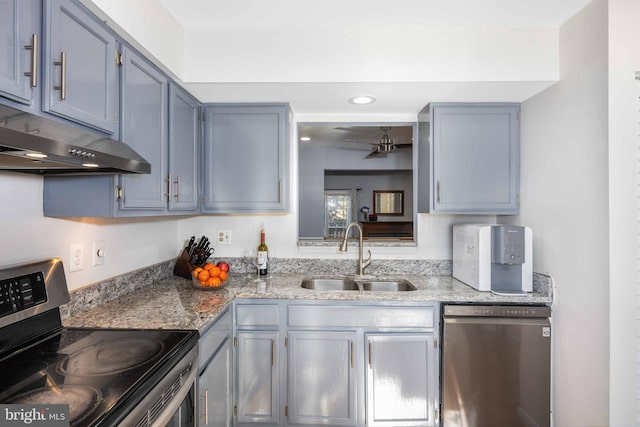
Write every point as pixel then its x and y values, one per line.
pixel 177 195
pixel 206 406
pixel 169 184
pixel 273 353
pixel 353 357
pixel 280 190
pixel 34 60
pixel 438 191
pixel 63 76
pixel 370 353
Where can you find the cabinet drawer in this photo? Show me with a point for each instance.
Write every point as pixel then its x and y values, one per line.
pixel 214 337
pixel 355 317
pixel 258 315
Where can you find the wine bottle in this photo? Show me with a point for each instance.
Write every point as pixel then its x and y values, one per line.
pixel 263 255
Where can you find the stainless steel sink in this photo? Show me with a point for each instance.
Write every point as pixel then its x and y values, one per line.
pixel 350 284
pixel 387 285
pixel 330 284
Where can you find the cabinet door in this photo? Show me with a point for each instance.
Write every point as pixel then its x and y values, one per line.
pixel 475 158
pixel 322 378
pixel 144 128
pixel 215 389
pixel 19 58
pixel 401 379
pixel 258 397
pixel 80 66
pixel 245 159
pixel 184 145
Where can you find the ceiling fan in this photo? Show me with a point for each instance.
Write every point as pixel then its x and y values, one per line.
pixel 385 145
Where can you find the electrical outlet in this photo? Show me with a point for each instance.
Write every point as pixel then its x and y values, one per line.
pixel 76 257
pixel 224 237
pixel 98 252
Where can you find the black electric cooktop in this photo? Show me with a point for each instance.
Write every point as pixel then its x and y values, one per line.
pixel 99 373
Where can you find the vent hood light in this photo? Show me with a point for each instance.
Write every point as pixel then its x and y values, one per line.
pixel 90 165
pixel 37 155
pixel 305 139
pixel 362 100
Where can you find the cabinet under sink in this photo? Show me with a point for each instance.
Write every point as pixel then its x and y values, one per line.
pixel 332 363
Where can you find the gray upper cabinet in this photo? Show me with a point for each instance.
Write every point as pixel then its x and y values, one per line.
pixel 184 146
pixel 79 66
pixel 145 127
pixel 20 23
pixel 144 112
pixel 469 158
pixel 246 158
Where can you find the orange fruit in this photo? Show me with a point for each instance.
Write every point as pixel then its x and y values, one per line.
pixel 214 271
pixel 216 282
pixel 210 282
pixel 196 271
pixel 203 275
pixel 223 276
pixel 208 266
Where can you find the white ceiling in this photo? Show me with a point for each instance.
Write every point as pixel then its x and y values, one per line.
pixel 317 100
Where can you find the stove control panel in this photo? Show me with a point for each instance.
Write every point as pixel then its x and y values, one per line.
pixel 20 293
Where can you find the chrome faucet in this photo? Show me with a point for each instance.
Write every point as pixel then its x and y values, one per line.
pixel 362 264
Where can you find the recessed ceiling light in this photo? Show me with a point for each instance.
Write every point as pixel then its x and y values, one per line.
pixel 305 138
pixel 361 100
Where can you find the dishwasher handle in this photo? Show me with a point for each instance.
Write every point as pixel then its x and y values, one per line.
pixel 472 310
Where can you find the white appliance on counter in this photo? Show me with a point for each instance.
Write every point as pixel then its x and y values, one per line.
pixel 493 257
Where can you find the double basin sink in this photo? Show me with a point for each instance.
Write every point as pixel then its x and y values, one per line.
pixel 360 284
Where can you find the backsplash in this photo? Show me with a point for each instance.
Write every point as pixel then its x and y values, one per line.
pixel 101 292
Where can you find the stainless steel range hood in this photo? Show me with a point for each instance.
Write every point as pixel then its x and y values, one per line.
pixel 34 144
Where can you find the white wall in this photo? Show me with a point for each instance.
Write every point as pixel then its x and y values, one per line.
pixel 624 62
pixel 151 27
pixel 25 235
pixel 564 192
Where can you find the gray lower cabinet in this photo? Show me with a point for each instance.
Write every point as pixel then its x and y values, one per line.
pixel 342 363
pixel 257 381
pixel 322 378
pixel 401 379
pixel 215 382
pixel 19 58
pixel 469 158
pixel 246 158
pixel 80 66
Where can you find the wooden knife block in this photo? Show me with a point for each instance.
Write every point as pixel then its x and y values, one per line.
pixel 183 267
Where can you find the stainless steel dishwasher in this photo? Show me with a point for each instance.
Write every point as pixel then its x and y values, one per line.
pixel 496 366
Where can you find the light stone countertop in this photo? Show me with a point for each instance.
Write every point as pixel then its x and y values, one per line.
pixel 173 303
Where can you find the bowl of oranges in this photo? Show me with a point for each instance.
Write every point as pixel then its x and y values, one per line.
pixel 210 275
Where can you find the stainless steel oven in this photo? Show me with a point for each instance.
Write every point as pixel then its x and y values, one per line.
pixel 105 377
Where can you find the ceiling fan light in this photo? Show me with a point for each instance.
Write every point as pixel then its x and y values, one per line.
pixel 362 100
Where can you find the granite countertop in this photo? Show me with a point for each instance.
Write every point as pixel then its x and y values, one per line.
pixel 173 303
